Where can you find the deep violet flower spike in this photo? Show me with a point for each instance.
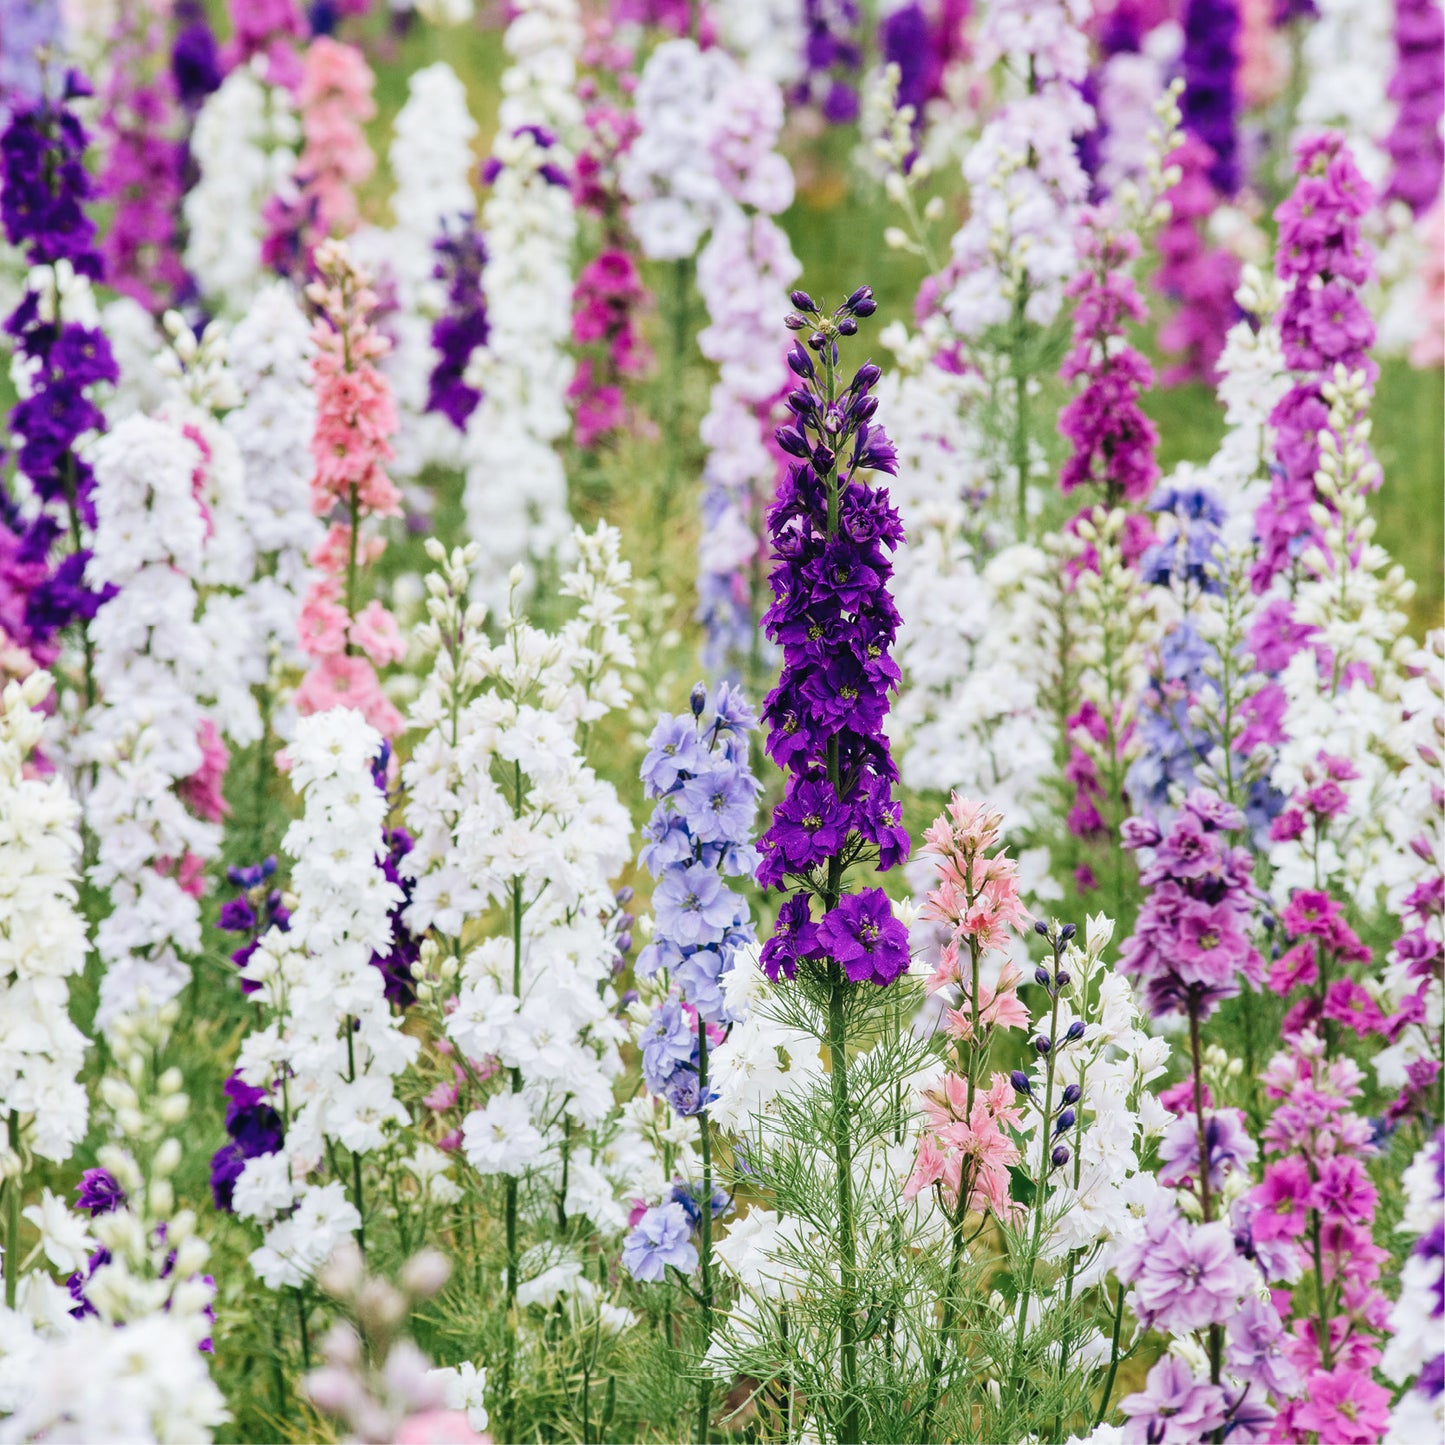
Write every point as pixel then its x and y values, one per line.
pixel 1210 105
pixel 833 617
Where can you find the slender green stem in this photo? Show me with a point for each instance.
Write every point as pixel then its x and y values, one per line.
pixel 847 1244
pixel 305 1331
pixel 1206 1194
pixel 1113 1356
pixel 950 1290
pixel 704 1384
pixel 356 1195
pixel 14 1190
pixel 1019 371
pixel 1042 1188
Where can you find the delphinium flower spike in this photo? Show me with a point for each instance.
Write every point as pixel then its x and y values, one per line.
pixel 835 621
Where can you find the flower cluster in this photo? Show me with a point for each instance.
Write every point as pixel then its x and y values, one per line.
pixel 1014 254
pixel 1199 277
pixel 333 101
pixel 355 417
pixel 243 145
pixel 1113 441
pixel 1413 1356
pixel 700 832
pixel 968 1149
pixel 1417 153
pixel 61 357
pixel 1324 261
pixel 1192 942
pixel 326 1056
pixel 1211 101
pixel 1314 1210
pixel 149 734
pixel 610 294
pixel 42 937
pixel 516 491
pixel 835 621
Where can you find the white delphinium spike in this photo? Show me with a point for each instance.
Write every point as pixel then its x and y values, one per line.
pixel 1353 596
pixel 131 1366
pixel 270 358
pixel 332 1048
pixel 1414 1336
pixel 431 167
pixel 147 735
pixel 516 490
pixel 244 144
pixel 42 938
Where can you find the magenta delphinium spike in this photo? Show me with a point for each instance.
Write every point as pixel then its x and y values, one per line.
pixel 143 166
pixel 1113 443
pixel 1323 259
pixel 1313 1214
pixel 610 295
pixel 1201 279
pixel 1417 153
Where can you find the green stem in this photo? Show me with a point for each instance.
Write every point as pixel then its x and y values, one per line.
pixel 950 1289
pixel 1206 1196
pixel 1042 1188
pixel 356 1195
pixel 847 1245
pixel 14 1189
pixel 704 1384
pixel 1113 1357
pixel 1020 373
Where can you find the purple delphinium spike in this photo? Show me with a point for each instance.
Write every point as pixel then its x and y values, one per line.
pixel 1209 107
pixel 835 621
pixel 42 205
pixel 459 330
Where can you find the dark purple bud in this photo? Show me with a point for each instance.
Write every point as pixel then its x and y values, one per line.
pixel 803 302
pixel 1041 975
pixel 817 340
pixel 624 942
pixel 847 327
pixel 1067 932
pixel 698 700
pixel 1060 1157
pixel 862 294
pixel 1065 1121
pixel 1020 1081
pixel 866 377
pixel 1076 1031
pixel 1042 1044
pixel 625 921
pixel 863 408
pixel 794 322
pixel 1041 928
pixel 1064 978
pixel 801 363
pixel 802 403
pixel 792 441
pixel 1071 1094
pixel 823 459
